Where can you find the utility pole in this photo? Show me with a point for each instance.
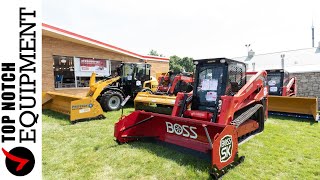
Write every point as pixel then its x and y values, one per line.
pixel 282 60
pixel 248 46
pixel 312 31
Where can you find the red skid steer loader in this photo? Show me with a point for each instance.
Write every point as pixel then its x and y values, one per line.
pixel 225 109
pixel 282 99
pixel 163 99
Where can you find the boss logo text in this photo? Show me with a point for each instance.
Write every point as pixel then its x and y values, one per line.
pixel 225 148
pixel 184 130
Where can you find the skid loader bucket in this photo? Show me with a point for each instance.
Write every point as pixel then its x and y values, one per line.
pixel 218 142
pixel 301 107
pixel 154 103
pixel 76 107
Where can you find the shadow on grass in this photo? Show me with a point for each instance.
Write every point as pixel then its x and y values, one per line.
pixel 182 156
pixel 65 118
pixel 127 109
pixel 294 119
pixel 56 115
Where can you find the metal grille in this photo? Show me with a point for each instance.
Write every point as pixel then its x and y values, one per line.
pixel 236 79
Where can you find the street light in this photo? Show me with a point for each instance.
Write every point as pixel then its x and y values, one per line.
pixel 247 46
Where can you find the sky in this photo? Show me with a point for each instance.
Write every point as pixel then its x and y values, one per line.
pixel 198 29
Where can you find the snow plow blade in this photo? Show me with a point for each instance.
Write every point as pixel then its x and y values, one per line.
pixel 77 107
pixel 301 107
pixel 154 103
pixel 218 142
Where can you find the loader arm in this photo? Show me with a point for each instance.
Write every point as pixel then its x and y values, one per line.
pixel 177 79
pixel 174 84
pixel 250 93
pixel 97 87
pixel 290 89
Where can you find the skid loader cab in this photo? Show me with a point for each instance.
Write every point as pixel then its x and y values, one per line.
pixel 133 77
pixel 215 78
pixel 276 79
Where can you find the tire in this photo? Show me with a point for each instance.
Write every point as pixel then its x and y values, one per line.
pixel 111 101
pixel 147 90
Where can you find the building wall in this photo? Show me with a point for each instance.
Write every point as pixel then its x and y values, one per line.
pixel 308 84
pixel 158 66
pixel 53 46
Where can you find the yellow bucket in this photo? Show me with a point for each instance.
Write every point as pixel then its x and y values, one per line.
pixel 155 103
pixel 296 105
pixel 76 107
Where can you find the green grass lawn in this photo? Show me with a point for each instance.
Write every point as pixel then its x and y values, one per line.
pixel 287 149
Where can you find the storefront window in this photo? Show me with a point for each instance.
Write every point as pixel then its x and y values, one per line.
pixel 84 67
pixel 74 72
pixel 63 68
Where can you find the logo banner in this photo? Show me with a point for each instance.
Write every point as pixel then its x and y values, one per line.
pixel 94 65
pixel 20 69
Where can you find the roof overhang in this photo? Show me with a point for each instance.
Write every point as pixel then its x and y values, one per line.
pixel 51 31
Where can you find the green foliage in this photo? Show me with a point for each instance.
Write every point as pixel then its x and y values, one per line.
pixel 178 64
pixel 154 53
pixel 286 149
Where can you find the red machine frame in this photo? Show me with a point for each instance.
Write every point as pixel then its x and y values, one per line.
pixel 169 89
pixel 195 131
pixel 290 89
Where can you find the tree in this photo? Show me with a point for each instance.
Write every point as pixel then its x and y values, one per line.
pixel 187 64
pixel 154 53
pixel 178 65
pixel 174 64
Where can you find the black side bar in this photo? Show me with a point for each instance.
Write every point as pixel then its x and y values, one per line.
pixel 140 122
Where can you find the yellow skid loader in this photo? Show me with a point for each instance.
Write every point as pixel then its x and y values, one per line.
pixel 104 95
pixel 282 98
pixel 78 107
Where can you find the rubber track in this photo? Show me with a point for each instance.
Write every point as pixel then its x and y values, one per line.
pixel 246 115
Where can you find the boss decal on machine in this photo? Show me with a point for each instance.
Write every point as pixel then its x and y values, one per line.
pixel 225 150
pixel 181 130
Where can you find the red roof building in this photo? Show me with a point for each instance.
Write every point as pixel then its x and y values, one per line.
pixel 64 52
